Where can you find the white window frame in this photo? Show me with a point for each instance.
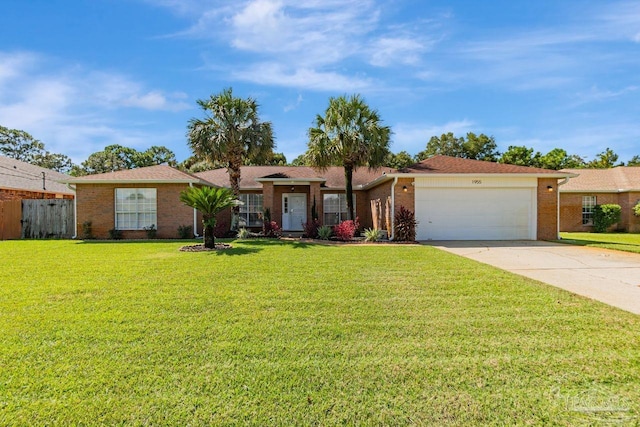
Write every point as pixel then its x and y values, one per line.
pixel 588 205
pixel 136 213
pixel 252 205
pixel 329 217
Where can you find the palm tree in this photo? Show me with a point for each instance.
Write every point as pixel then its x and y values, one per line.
pixel 350 135
pixel 231 133
pixel 209 201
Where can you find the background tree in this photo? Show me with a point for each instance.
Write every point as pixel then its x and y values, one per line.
pixel 117 157
pixel 209 201
pixel 20 145
pixel 301 160
pixel 558 158
pixel 350 134
pixel 480 147
pixel 446 144
pixel 155 155
pixel 605 160
pixel 475 147
pixel 635 161
pixel 400 160
pixel 230 133
pixel 521 156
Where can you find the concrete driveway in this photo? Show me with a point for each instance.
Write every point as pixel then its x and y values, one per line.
pixel 609 276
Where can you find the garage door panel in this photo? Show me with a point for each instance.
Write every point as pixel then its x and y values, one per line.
pixel 474 214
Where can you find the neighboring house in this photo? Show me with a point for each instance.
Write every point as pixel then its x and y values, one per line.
pixel 453 199
pixel 619 185
pixel 20 180
pixel 130 200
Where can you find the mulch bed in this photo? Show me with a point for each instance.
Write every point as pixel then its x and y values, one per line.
pixel 201 248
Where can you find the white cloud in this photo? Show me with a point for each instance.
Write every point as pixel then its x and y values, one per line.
pixel 67 107
pixel 275 74
pixel 311 41
pixel 293 105
pixel 396 50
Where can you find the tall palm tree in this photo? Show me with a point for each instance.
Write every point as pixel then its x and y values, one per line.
pixel 231 133
pixel 350 135
pixel 209 201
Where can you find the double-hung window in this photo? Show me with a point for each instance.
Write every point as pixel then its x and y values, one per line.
pixel 335 208
pixel 251 210
pixel 588 204
pixel 136 208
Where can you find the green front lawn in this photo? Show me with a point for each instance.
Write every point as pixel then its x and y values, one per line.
pixel 284 333
pixel 628 242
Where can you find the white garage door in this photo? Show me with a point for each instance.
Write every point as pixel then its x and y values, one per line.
pixel 475 214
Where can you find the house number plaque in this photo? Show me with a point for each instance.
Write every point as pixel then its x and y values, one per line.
pixel 476 181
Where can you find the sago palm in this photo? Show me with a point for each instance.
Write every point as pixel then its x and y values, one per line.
pixel 209 201
pixel 231 133
pixel 350 134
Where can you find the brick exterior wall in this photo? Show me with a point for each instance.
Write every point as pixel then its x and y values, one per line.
pixel 9 194
pixel 96 203
pixel 547 209
pixel 381 192
pixel 405 198
pixel 571 210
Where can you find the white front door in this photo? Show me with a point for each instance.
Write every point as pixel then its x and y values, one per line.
pixel 294 211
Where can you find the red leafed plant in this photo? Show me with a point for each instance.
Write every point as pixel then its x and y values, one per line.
pixel 271 229
pixel 404 227
pixel 346 230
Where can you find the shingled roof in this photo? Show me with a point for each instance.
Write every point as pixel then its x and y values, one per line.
pixel 333 177
pixel 17 175
pixel 617 180
pixel 151 174
pixel 454 165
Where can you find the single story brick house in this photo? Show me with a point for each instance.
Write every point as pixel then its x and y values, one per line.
pixel 591 187
pixel 453 199
pixel 20 180
pixel 130 200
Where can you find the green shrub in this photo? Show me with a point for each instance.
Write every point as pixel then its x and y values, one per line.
pixel 87 233
pixel 404 225
pixel 636 209
pixel 243 233
pixel 151 231
pixel 372 235
pixel 115 234
pixel 604 216
pixel 185 232
pixel 324 232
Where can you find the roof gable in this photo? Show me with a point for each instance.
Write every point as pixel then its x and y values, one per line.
pixel 454 165
pixel 333 177
pixel 157 173
pixel 17 175
pixel 616 180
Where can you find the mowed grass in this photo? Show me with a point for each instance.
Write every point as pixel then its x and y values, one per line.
pixel 286 333
pixel 628 242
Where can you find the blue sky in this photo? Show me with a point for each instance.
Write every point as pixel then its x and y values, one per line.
pixel 80 75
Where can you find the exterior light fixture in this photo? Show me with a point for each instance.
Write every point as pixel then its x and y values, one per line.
pixel 404 188
pixel 293 189
pixel 550 188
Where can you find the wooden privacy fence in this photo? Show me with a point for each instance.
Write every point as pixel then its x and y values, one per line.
pixel 10 216
pixel 47 218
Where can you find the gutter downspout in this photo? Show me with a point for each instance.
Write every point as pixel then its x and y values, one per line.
pixel 195 219
pixel 75 211
pixel 393 206
pixel 563 182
